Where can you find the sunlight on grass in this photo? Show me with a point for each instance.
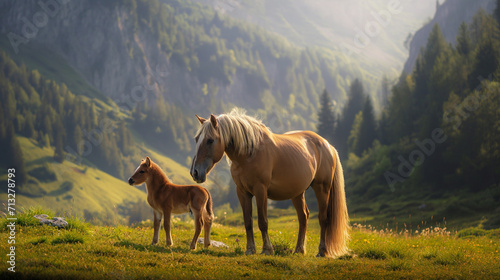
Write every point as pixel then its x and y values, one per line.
pixel 88 251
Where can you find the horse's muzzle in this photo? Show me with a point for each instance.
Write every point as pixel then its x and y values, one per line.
pixel 198 177
pixel 131 181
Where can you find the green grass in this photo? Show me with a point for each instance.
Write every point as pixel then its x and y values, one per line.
pixel 68 238
pixel 124 252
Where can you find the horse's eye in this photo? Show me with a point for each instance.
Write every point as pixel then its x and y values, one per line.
pixel 142 171
pixel 210 141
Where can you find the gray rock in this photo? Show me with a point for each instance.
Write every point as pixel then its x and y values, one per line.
pixel 56 221
pixel 214 243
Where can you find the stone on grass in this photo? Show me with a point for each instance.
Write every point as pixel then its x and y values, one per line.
pixel 213 243
pixel 55 222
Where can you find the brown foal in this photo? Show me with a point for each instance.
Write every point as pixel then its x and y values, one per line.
pixel 167 198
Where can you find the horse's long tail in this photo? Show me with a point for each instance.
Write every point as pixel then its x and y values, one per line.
pixel 337 230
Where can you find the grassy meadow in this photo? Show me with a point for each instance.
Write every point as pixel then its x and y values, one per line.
pixel 84 251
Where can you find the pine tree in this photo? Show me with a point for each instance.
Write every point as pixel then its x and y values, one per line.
pixel 385 91
pixel 58 142
pixel 400 123
pixel 464 44
pixel 29 127
pixel 125 140
pixel 367 130
pixel 326 119
pixel 487 62
pixel 354 135
pixel 353 106
pixel 436 45
pixel 78 139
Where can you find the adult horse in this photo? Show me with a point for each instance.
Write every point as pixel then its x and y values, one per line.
pixel 278 167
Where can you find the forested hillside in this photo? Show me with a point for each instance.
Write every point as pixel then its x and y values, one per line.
pixel 436 149
pixel 82 130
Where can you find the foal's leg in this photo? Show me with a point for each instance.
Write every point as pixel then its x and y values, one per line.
pixel 246 205
pixel 166 225
pixel 299 203
pixel 322 193
pixel 261 199
pixel 157 221
pixel 207 224
pixel 198 224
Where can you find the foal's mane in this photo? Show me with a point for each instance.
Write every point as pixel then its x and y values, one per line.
pixel 158 173
pixel 236 129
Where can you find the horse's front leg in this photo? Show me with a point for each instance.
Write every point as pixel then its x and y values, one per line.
pixel 246 205
pixel 261 199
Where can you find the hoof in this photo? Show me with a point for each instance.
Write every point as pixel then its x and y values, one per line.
pixel 267 252
pixel 250 252
pixel 154 243
pixel 300 251
pixel 320 255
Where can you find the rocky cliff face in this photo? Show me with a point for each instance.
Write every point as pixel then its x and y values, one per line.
pixel 449 16
pixel 95 39
pixel 99 40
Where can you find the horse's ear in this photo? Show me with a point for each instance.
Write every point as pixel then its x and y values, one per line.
pixel 213 120
pixel 148 162
pixel 200 119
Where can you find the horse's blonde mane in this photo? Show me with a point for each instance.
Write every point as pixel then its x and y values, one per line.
pixel 236 129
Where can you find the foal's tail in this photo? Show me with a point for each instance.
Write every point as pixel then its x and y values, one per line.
pixel 209 205
pixel 337 230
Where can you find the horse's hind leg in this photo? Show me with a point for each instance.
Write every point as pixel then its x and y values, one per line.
pixel 157 223
pixel 207 224
pixel 198 224
pixel 299 203
pixel 322 192
pixel 166 226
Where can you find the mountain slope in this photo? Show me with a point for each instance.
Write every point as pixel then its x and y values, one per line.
pixel 74 188
pixel 449 16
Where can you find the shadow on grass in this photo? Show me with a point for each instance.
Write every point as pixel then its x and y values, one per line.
pixel 150 248
pixel 160 249
pixel 214 253
pixel 39 161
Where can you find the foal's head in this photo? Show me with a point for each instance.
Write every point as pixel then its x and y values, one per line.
pixel 209 149
pixel 141 173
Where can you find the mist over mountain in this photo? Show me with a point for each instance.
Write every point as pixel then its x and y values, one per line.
pixel 370 33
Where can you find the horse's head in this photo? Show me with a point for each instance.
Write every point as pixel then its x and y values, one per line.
pixel 141 173
pixel 209 149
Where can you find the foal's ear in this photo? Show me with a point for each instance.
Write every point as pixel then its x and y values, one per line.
pixel 148 161
pixel 200 119
pixel 213 120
